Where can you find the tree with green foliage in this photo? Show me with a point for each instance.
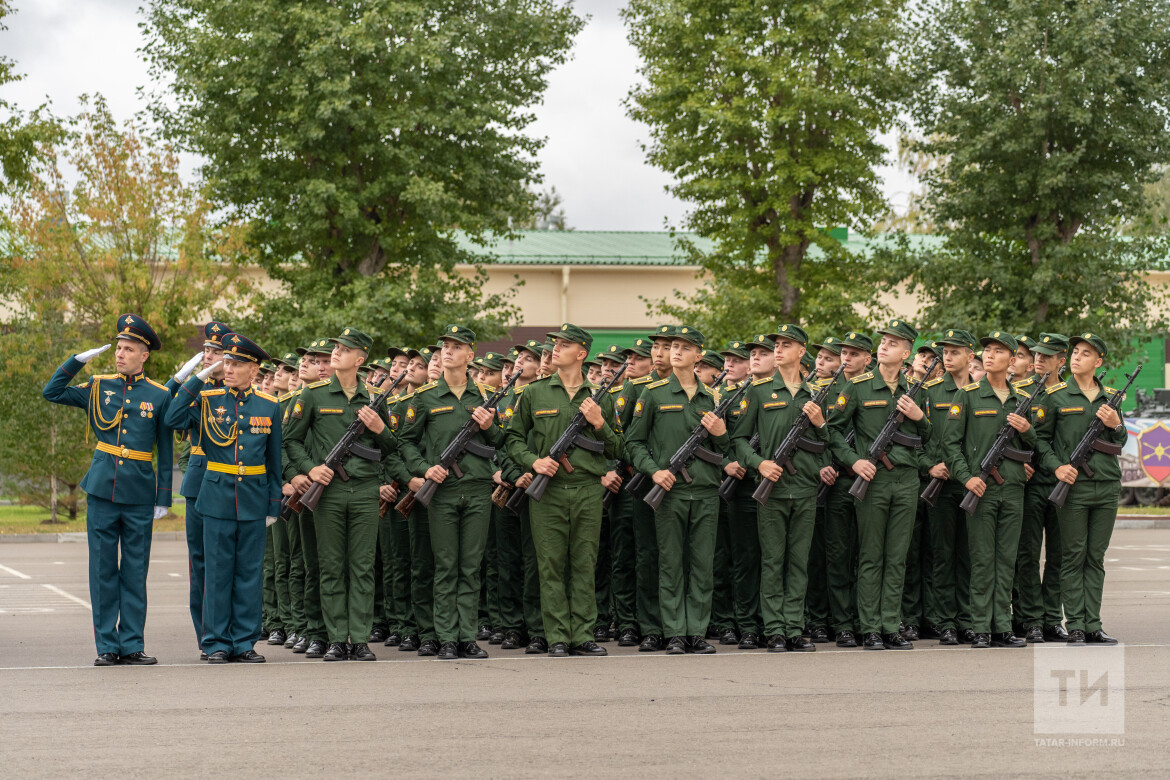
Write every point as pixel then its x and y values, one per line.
pixel 358 137
pixel 767 116
pixel 1048 119
pixel 21 132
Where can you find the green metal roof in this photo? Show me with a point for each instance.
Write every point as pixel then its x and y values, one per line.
pixel 634 248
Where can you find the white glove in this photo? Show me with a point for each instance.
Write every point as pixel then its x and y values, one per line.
pixel 90 354
pixel 270 520
pixel 160 512
pixel 209 370
pixel 185 372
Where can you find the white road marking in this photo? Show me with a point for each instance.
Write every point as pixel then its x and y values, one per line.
pixel 14 573
pixel 65 595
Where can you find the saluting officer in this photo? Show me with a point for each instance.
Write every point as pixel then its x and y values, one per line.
pixel 124 491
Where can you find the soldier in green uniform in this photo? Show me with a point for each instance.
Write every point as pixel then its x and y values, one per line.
pixel 946 523
pixel 124 491
pixel 976 414
pixel 276 594
pixel 460 511
pixel 392 615
pixel 816 597
pixel 294 483
pixel 346 516
pixel 840 509
pixel 1036 606
pixel 722 624
pixel 1090 511
pixel 491 375
pixel 616 604
pixel 771 407
pixel 886 517
pixel 1023 359
pixel 566 522
pixel 240 431
pixel 685 523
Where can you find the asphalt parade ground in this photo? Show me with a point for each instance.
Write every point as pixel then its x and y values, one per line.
pixel 833 713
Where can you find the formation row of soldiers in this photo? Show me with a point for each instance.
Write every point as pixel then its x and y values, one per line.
pixel 696 552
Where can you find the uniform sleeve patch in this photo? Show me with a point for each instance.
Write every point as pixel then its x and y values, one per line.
pixel 410 414
pixel 842 399
pixel 638 409
pixel 1039 412
pixel 956 411
pixel 297 410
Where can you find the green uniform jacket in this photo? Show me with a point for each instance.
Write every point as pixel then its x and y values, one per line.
pixel 937 395
pixel 663 419
pixel 317 421
pixel 1042 476
pixel 863 404
pixel 179 417
pixel 973 421
pixel 393 465
pixel 769 408
pixel 432 421
pixel 540 417
pixel 627 399
pixel 1062 420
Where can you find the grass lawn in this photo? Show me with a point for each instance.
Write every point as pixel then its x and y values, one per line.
pixel 16 519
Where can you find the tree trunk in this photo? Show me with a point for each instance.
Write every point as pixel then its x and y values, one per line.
pixel 53 471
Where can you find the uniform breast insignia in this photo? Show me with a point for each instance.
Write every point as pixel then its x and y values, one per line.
pixel 670 408
pixel 108 394
pixel 146 409
pixel 544 412
pixel 260 424
pixel 330 410
pixel 875 403
pixel 220 411
pixel 441 409
pixel 986 412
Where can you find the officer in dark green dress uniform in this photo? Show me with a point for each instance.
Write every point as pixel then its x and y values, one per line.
pixel 240 495
pixel 124 490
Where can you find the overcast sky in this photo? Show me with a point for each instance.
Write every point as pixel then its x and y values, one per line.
pixel 66 48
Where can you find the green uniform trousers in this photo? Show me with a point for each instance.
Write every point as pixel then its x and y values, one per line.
pixel 918 593
pixel 489 594
pixel 1086 525
pixel 533 616
pixel 347 532
pixel 1037 599
pixel 422 576
pixel 380 597
pixel 816 595
pixel 623 579
pixel 646 568
pixel 315 628
pixel 277 613
pixel 566 527
pixel 459 516
pixel 722 600
pixel 951 560
pixel 841 555
pixel 884 522
pixel 296 576
pixel 993 537
pixel 786 530
pixel 394 545
pixel 234 557
pixel 509 571
pixel 744 537
pixel 685 529
pixel 601 575
pixel 119 537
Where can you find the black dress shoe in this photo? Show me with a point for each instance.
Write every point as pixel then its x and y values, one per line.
pixel 749 641
pixel 362 652
pixel 700 646
pixel 967 636
pixel 137 659
pixel 873 641
pixel 497 638
pixel 1007 639
pixel 929 631
pixel 1099 637
pixel 981 641
pixel 910 633
pixel 484 632
pixel 588 648
pixel 1034 635
pixel 277 637
pixel 651 643
pixel 302 644
pixel 536 645
pixel 448 652
pixel 800 644
pixel 338 651
pixel 819 634
pixel 218 657
pixel 601 633
pixel 377 635
pixel 249 657
pixel 409 643
pixel 896 642
pixel 108 659
pixel 846 639
pixel 472 650
pixel 1055 634
pixel 202 656
pixel 427 649
pixel 316 649
pixel 393 639
pixel 777 644
pixel 511 641
pixel 628 638
pixel 713 631
pixel 1076 637
pixel 1017 630
pixel 291 640
pixel 948 637
pixel 558 650
pixel 676 646
pixel 729 637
